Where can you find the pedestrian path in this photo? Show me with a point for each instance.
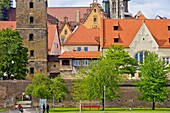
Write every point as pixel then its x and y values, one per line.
pixel 28 110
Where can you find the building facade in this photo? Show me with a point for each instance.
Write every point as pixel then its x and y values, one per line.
pixel 31 22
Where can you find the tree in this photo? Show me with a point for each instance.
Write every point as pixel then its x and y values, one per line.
pixel 107 72
pixel 4 4
pixel 43 87
pixel 13 56
pixel 153 81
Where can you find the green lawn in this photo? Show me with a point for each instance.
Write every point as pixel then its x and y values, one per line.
pixel 110 110
pixel 3 109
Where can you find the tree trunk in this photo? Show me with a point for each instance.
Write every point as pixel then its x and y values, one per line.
pixel 153 105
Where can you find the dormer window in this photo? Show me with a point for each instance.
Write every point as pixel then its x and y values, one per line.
pixel 168 28
pixel 116 40
pixel 115 28
pixel 31 5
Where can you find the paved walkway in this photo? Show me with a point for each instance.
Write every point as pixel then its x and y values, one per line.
pixel 28 110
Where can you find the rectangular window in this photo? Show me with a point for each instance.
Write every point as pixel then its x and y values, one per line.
pixel 166 60
pixel 116 40
pixel 62 39
pixel 32 53
pixel 31 20
pixel 85 62
pixel 78 48
pixel 76 62
pixel 115 27
pixel 169 40
pixel 85 48
pixel 95 19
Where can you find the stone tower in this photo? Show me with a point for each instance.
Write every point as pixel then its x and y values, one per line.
pixel 119 9
pixel 31 21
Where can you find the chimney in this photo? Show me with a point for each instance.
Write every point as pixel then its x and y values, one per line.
pixel 78 16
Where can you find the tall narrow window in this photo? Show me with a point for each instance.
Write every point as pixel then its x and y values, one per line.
pixel 31 5
pixel 31 70
pixel 169 40
pixel 114 7
pixel 32 53
pixel 31 37
pixel 65 32
pixel 94 19
pixel 31 20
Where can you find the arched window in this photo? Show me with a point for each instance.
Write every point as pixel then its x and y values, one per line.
pixel 140 56
pixel 32 53
pixel 31 5
pixel 31 70
pixel 31 20
pixel 31 37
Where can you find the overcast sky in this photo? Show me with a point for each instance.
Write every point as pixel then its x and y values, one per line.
pixel 150 8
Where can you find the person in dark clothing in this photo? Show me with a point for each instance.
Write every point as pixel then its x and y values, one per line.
pixel 43 108
pixel 48 108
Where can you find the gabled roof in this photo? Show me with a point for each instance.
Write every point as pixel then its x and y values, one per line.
pixel 126 31
pixel 81 54
pixel 128 28
pixel 83 36
pixel 51 33
pixel 70 12
pixel 7 24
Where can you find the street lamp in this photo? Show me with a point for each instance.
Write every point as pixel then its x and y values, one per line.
pixel 104 96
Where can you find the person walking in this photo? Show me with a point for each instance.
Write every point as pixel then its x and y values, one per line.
pixel 43 108
pixel 20 108
pixel 48 108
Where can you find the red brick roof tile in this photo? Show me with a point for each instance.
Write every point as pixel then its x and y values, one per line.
pixel 81 54
pixel 128 29
pixel 7 24
pixel 83 35
pixel 70 12
pixel 51 33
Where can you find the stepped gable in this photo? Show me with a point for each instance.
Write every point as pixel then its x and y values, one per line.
pixel 83 35
pixel 81 54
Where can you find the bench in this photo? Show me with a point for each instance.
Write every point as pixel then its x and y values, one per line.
pixel 97 107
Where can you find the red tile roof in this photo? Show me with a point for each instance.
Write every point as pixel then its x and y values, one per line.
pixel 70 12
pixel 81 54
pixel 83 35
pixel 126 32
pixel 51 33
pixel 7 24
pixel 128 29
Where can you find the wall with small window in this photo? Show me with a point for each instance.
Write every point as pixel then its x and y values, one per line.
pixel 81 48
